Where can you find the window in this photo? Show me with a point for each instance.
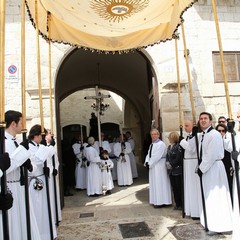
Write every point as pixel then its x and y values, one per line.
pixel 232 66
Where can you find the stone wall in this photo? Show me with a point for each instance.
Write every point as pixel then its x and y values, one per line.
pixel 201 40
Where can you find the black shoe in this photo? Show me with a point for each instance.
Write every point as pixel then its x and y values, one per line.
pixel 68 194
pixel 195 218
pixel 177 208
pixel 159 206
pixel 211 233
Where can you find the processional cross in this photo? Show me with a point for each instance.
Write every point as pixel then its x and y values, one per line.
pixel 99 107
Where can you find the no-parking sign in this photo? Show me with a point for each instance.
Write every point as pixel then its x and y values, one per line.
pixel 12 72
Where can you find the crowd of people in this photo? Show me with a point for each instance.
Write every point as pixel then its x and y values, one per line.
pixel 32 198
pixel 199 174
pixel 199 171
pixel 100 163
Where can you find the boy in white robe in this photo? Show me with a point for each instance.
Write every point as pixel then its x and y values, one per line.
pixel 106 167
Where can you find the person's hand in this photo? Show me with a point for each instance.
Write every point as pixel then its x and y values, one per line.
pixel 199 172
pixel 55 172
pixel 6 201
pixel 147 165
pixel 168 165
pixel 46 171
pixel 25 144
pixel 180 138
pixel 52 142
pixel 28 165
pixel 194 131
pixel 234 155
pixel 4 161
pixel 230 125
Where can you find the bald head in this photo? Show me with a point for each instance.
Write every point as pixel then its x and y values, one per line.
pixel 188 125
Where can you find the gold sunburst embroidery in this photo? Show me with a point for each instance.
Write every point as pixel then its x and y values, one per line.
pixel 117 10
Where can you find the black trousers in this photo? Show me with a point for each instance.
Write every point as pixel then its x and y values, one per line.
pixel 176 183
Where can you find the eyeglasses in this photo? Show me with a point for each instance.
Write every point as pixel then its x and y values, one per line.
pixel 221 121
pixel 221 130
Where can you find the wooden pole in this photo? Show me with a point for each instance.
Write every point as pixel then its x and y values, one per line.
pixel 24 170
pixel 231 121
pixel 5 226
pixel 222 60
pixel 180 121
pixel 41 117
pixel 179 87
pixel 189 76
pixel 194 122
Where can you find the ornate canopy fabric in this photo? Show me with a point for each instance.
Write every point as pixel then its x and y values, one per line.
pixel 108 25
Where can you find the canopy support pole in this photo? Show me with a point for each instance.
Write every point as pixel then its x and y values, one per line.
pixel 180 120
pixel 5 225
pixel 24 170
pixel 41 117
pixel 231 121
pixel 194 122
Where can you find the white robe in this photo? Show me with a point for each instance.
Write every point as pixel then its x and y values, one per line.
pixel 215 183
pixel 114 160
pixel 132 159
pixel 106 166
pixel 17 214
pixel 94 176
pixel 39 154
pixel 192 189
pixel 80 170
pixel 124 173
pixel 236 214
pixel 105 146
pixel 55 203
pixel 159 182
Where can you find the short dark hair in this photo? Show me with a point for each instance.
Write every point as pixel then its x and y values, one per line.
pixel 35 131
pixel 221 125
pixel 222 117
pixel 12 116
pixel 206 113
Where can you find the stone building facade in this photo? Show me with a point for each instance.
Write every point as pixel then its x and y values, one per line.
pixel 202 44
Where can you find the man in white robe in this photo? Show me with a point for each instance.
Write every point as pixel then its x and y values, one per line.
pixel 159 182
pixel 81 166
pixel 53 164
pixel 192 190
pixel 131 155
pixel 94 176
pixel 19 156
pixel 124 174
pixel 105 144
pixel 37 183
pixel 214 178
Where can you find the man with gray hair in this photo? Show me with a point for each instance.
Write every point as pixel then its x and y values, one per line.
pixel 94 176
pixel 192 191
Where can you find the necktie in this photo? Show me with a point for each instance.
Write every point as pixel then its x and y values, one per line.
pixel 15 142
pixel 21 168
pixel 201 146
pixel 150 151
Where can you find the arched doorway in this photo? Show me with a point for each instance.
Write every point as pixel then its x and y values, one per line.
pixel 130 76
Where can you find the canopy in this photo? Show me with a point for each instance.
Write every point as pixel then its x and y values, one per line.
pixel 108 25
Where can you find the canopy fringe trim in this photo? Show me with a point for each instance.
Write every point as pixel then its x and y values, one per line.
pixel 175 35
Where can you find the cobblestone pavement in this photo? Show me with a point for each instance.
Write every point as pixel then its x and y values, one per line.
pixel 126 214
